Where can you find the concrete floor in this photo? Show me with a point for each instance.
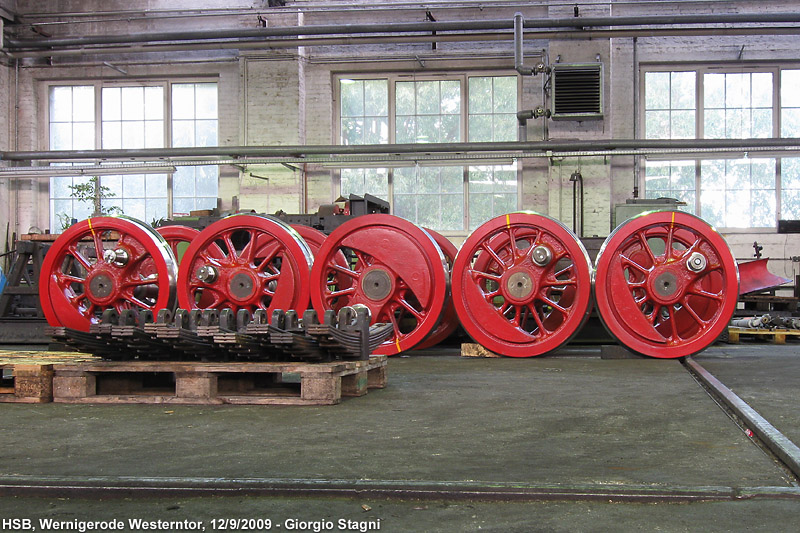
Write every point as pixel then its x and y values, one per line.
pixel 558 443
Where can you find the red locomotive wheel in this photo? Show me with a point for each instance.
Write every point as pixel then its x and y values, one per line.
pixel 395 269
pixel 106 263
pixel 313 237
pixel 248 262
pixel 449 321
pixel 666 284
pixel 522 284
pixel 178 238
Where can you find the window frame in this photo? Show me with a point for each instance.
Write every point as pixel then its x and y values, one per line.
pixel 98 85
pixel 392 79
pixel 700 69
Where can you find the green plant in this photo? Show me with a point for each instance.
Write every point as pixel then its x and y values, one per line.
pixel 92 191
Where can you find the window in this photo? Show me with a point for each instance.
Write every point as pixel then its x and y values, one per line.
pixel 132 117
pixel 728 191
pixel 450 109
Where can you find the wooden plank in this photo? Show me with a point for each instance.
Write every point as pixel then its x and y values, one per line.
pixel 30 383
pixel 476 350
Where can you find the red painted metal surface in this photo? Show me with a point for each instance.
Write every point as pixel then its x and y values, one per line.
pixel 394 268
pixel 449 321
pixel 313 237
pixel 522 284
pixel 246 262
pixel 666 284
pixel 176 237
pixel 755 276
pixel 106 263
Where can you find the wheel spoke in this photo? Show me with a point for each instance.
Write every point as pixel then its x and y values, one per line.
pixel 408 307
pixel 502 265
pixel 702 323
pixel 554 305
pixel 537 319
pixel 646 246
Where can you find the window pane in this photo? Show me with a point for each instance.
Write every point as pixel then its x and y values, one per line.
pixel 505 128
pixel 60 104
pixel 60 136
pixel 207 180
pixel 182 101
pixel 657 124
pixel 682 126
pixel 737 90
pixel 404 98
pixel 682 90
pixel 761 126
pixel 790 122
pixel 376 98
pixel 205 133
pixel 183 182
pixel 427 94
pixel 451 97
pixel 132 134
pixel 132 103
pixel 156 185
pixel 714 91
pixel 154 134
pixel 762 89
pixel 657 90
pixel 83 104
pixel 714 127
pixel 133 185
pixel 505 94
pixel 83 136
pixel 154 103
pixel 790 81
pixel 205 100
pixel 480 128
pixel 112 103
pixel 376 130
pixel 480 95
pixel 352 94
pixel 182 133
pixel 450 130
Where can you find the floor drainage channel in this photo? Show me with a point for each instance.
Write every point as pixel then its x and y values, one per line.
pixel 783 451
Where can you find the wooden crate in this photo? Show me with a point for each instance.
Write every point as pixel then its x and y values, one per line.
pixel 27 376
pixel 246 383
pixel 775 336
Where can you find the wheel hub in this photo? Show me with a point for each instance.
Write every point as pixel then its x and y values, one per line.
pixel 519 286
pixel 377 284
pixel 665 287
pixel 241 286
pixel 101 286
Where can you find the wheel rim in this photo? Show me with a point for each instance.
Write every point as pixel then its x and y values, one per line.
pixel 449 321
pixel 395 269
pixel 246 262
pixel 522 284
pixel 666 284
pixel 106 263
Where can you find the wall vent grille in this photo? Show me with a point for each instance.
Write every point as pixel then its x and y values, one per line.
pixel 577 91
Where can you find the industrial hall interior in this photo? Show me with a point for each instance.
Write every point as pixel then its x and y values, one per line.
pixel 352 265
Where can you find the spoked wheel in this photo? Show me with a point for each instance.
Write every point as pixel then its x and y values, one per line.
pixel 394 268
pixel 449 321
pixel 178 238
pixel 105 263
pixel 522 284
pixel 246 262
pixel 666 284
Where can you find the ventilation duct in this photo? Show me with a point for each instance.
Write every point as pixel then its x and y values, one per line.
pixel 577 91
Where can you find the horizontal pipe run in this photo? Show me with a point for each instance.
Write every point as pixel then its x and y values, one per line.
pixel 404 27
pixel 301 151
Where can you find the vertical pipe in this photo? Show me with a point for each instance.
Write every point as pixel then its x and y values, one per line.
pixel 518 55
pixel 636 133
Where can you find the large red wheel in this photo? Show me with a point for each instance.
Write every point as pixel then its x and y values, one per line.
pixel 449 321
pixel 395 269
pixel 666 284
pixel 313 237
pixel 246 262
pixel 522 284
pixel 106 263
pixel 178 238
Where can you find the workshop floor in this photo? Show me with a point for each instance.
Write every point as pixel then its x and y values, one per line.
pixel 558 443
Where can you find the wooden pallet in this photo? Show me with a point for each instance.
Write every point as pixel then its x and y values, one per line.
pixel 775 336
pixel 246 383
pixel 27 376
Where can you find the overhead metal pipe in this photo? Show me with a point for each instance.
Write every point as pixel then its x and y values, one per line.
pixel 404 27
pixel 299 151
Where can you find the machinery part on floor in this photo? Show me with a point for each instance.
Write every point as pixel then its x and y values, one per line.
pixel 754 322
pixel 178 238
pixel 106 263
pixel 19 295
pixel 522 284
pixel 246 261
pixel 449 321
pixel 394 268
pixel 222 335
pixel 666 284
pixel 754 276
